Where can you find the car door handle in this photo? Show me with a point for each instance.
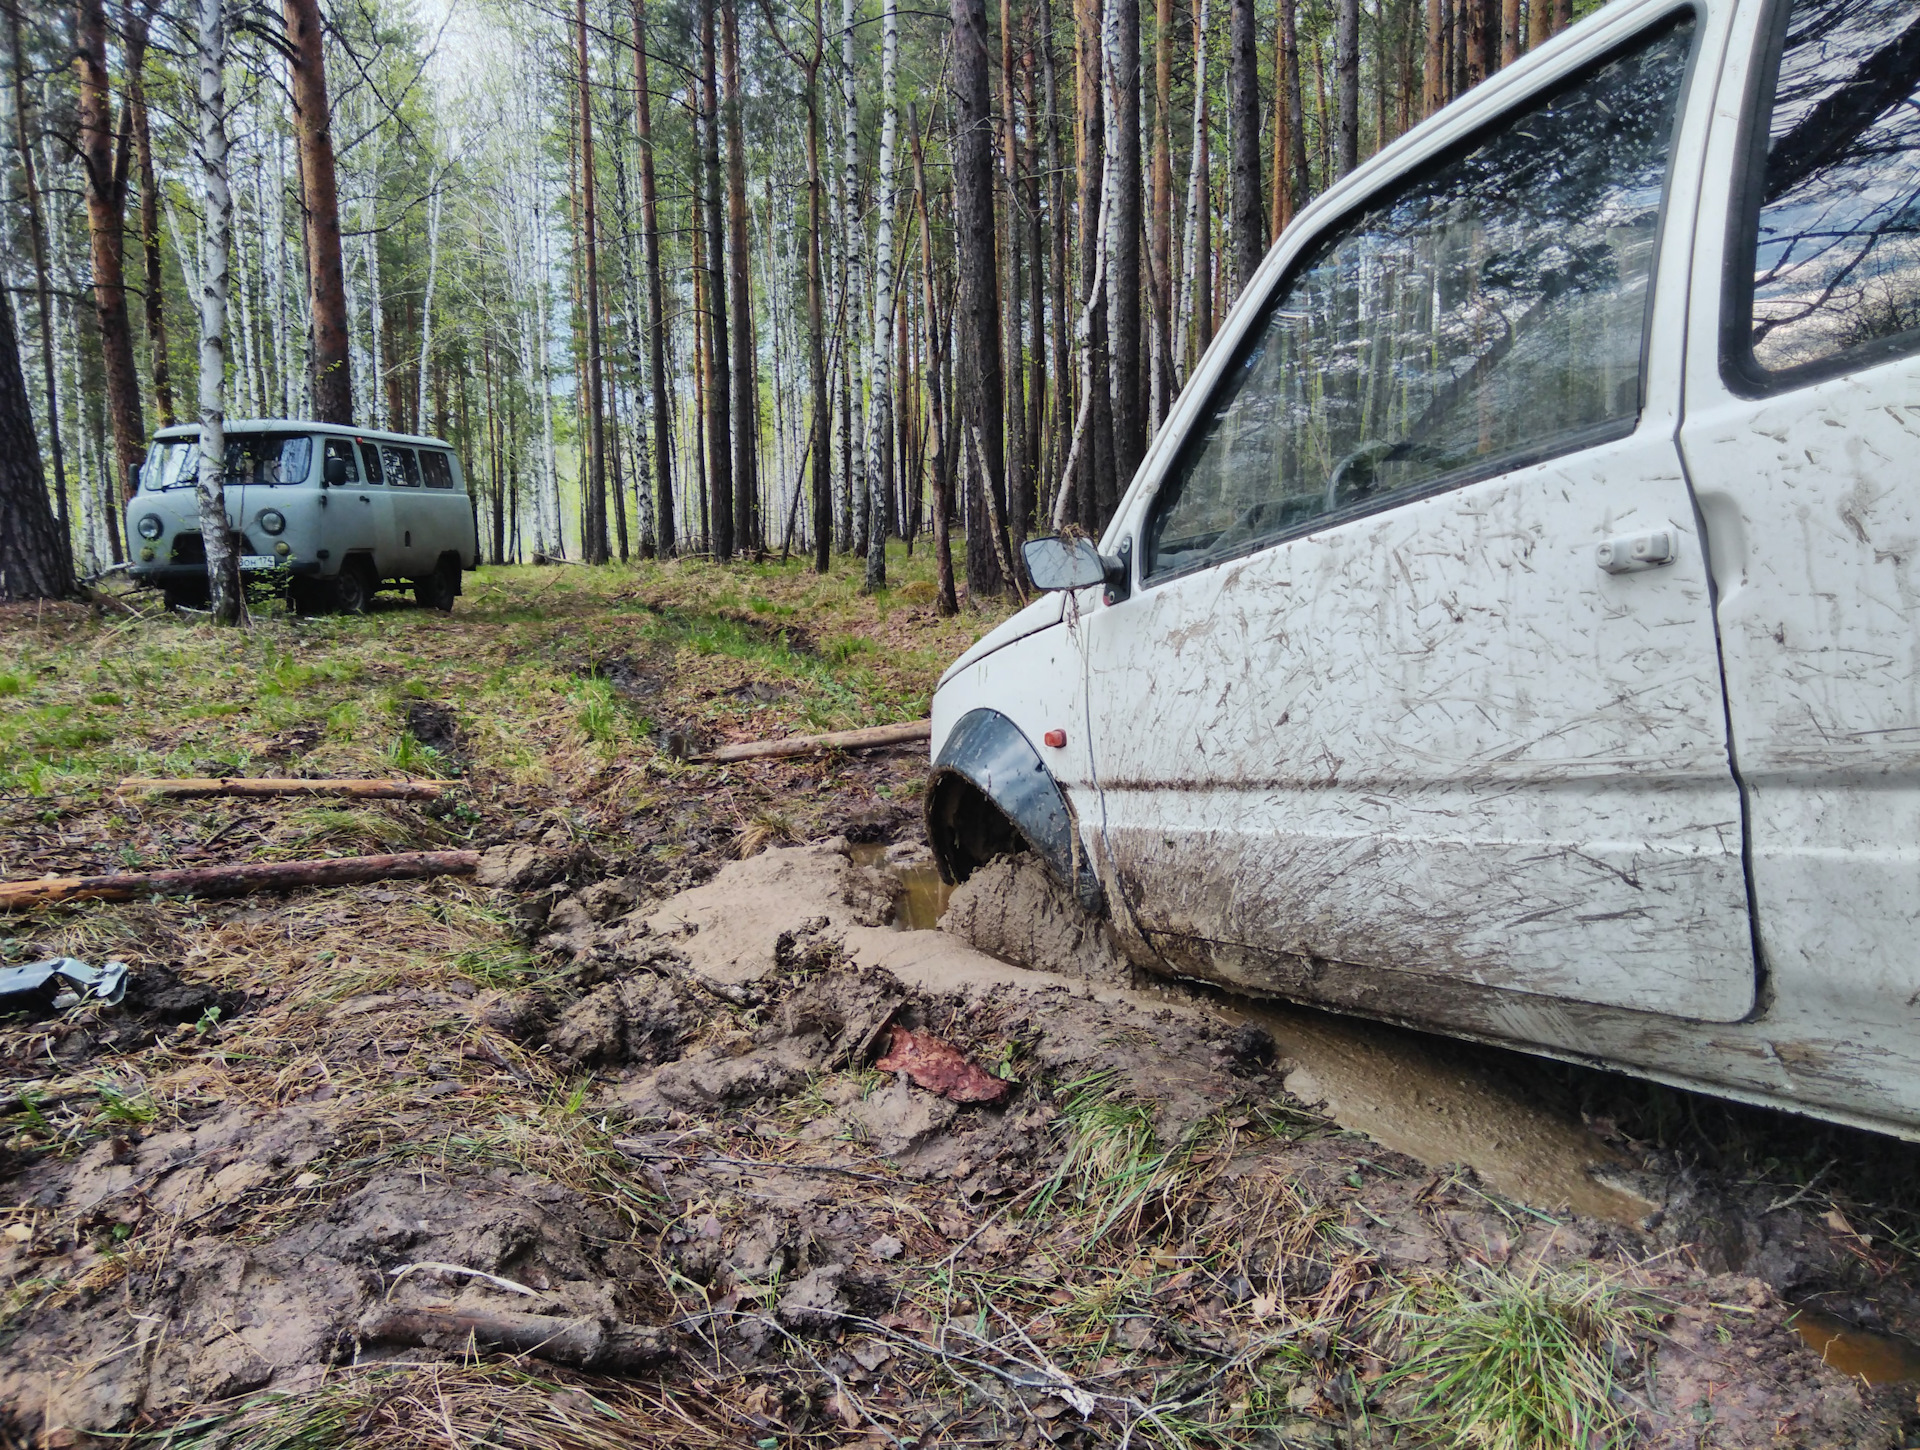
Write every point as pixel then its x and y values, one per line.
pixel 1630 553
pixel 365 499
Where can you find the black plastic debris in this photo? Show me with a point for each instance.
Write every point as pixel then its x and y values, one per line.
pixel 59 983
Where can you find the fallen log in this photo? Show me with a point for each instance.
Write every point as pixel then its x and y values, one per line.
pixel 605 1345
pixel 867 739
pixel 236 880
pixel 194 787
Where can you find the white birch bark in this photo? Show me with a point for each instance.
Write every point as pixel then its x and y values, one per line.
pixel 854 483
pixel 1095 298
pixel 426 307
pixel 880 353
pixel 229 605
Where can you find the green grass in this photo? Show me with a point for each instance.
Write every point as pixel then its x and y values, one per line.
pixel 1520 1361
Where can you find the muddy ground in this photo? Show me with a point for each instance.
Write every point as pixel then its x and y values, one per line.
pixel 628 1140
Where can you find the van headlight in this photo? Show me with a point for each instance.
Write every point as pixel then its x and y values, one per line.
pixel 150 526
pixel 271 521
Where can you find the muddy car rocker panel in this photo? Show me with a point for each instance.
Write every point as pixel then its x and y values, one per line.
pixel 1440 665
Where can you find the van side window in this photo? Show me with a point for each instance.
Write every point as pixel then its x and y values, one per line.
pixel 372 456
pixel 1484 314
pixel 1834 253
pixel 400 466
pixel 341 448
pixel 436 469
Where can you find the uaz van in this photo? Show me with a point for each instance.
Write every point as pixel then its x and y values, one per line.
pixel 339 512
pixel 1515 629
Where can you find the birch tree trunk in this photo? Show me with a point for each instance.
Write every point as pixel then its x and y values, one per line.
pixel 1019 481
pixel 945 601
pixel 880 410
pixel 1162 218
pixel 1124 230
pixel 426 303
pixel 852 292
pixel 719 355
pixel 223 573
pixel 656 322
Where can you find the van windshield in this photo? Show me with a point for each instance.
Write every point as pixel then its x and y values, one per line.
pixel 251 458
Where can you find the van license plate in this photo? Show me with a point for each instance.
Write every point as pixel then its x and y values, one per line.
pixel 257 561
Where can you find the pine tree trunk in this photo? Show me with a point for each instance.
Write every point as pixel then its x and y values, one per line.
pixel 1300 184
pixel 1433 89
pixel 326 284
pixel 1513 33
pixel 1125 227
pixel 746 386
pixel 1201 252
pixel 719 371
pixel 223 574
pixel 35 562
pixel 1247 221
pixel 1019 480
pixel 426 304
pixel 37 237
pixel 1162 242
pixel 945 600
pixel 104 160
pixel 1059 414
pixel 593 508
pixel 981 414
pixel 880 411
pixel 158 368
pixel 656 322
pixel 1346 67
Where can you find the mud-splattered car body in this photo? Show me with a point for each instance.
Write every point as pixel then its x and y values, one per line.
pixel 1514 629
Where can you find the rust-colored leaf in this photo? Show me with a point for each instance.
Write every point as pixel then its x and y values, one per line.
pixel 940 1067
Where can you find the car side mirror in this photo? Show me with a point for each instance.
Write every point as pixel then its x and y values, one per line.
pixel 1063 563
pixel 134 480
pixel 335 472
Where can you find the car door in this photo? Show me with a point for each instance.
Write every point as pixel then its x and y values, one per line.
pixel 412 515
pixel 1377 719
pixel 1802 435
pixel 359 517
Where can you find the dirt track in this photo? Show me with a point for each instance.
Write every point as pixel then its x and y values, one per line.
pixel 624 1083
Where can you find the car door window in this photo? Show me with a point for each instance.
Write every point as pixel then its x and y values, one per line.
pixel 341 449
pixel 1488 313
pixel 399 465
pixel 1832 256
pixel 372 457
pixel 436 470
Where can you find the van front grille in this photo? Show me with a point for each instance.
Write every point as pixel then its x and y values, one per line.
pixel 189 549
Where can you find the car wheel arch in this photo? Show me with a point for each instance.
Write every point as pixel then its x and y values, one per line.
pixel 990 794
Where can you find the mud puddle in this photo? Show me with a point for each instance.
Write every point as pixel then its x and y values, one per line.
pixel 923 897
pixel 1406 1093
pixel 1879 1359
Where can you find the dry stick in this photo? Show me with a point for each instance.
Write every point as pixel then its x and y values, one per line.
pixel 236 880
pixel 384 790
pixel 867 739
pixel 593 1344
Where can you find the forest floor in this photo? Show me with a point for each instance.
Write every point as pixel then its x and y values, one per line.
pixel 591 1150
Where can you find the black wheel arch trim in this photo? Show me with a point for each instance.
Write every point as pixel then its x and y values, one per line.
pixel 987 752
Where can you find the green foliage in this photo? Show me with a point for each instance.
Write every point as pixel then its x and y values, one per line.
pixel 1520 1361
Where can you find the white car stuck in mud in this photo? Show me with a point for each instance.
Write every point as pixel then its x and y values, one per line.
pixel 1515 629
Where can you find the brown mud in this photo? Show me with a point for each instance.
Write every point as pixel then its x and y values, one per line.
pixel 832 1255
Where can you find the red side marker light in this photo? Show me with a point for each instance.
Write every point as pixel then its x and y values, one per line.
pixel 1056 738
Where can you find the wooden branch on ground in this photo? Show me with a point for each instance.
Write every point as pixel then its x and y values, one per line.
pixel 366 790
pixel 593 1344
pixel 236 880
pixel 867 739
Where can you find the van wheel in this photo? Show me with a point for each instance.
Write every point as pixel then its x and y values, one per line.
pixel 438 589
pixel 353 587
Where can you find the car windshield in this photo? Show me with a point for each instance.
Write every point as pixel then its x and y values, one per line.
pixel 251 458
